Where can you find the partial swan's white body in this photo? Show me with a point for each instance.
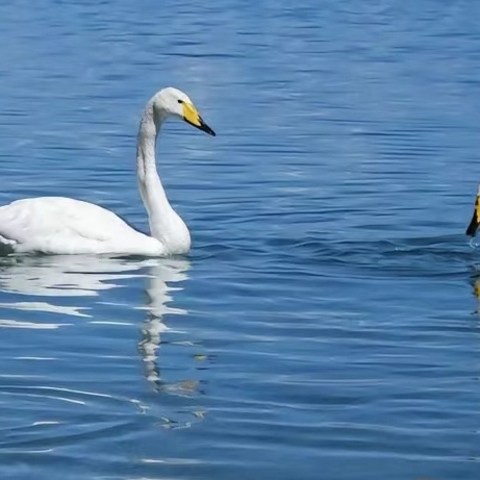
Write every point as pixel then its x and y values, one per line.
pixel 66 226
pixel 58 225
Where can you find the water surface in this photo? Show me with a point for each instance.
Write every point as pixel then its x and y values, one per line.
pixel 326 322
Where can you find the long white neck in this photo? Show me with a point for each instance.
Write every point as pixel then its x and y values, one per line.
pixel 165 224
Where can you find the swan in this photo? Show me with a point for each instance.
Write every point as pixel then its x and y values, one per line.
pixel 60 225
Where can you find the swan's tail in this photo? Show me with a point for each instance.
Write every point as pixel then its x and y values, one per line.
pixel 475 222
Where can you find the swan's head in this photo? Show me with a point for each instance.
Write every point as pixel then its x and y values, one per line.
pixel 173 102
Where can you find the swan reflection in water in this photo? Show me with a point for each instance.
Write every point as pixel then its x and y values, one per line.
pixel 164 279
pixel 52 279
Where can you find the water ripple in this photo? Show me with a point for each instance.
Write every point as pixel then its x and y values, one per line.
pixel 327 319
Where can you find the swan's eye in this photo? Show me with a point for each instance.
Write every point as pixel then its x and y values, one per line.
pixel 180 101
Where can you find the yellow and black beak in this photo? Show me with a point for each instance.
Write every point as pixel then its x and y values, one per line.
pixel 191 116
pixel 475 222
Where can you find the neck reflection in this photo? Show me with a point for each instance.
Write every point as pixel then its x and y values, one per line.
pixel 164 278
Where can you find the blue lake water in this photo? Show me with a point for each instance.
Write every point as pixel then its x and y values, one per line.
pixel 325 324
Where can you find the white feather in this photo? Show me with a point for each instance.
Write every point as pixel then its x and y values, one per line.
pixel 66 226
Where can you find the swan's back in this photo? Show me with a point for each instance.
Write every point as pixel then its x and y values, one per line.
pixel 65 225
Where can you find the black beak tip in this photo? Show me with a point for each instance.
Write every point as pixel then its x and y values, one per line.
pixel 202 126
pixel 207 129
pixel 472 228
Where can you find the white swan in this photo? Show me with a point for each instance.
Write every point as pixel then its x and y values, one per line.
pixel 58 225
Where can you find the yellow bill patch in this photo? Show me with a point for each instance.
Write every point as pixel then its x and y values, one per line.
pixel 191 115
pixel 476 288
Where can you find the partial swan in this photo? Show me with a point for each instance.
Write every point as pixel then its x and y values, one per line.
pixel 59 225
pixel 475 221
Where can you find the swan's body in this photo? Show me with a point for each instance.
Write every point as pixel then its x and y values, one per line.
pixel 68 226
pixel 59 225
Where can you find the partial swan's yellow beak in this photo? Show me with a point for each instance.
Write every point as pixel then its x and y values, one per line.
pixel 475 222
pixel 191 116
